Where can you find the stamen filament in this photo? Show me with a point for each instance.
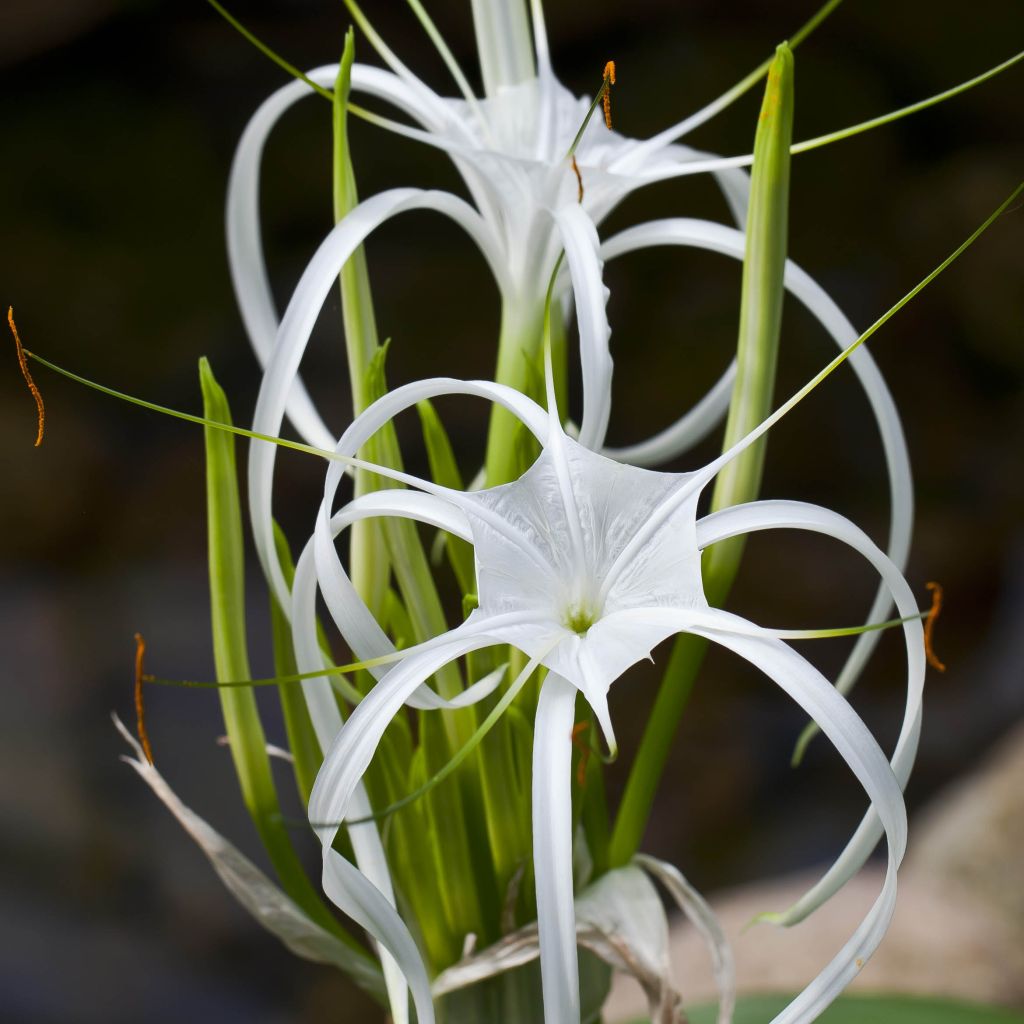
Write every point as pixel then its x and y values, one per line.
pixel 606 83
pixel 23 363
pixel 294 677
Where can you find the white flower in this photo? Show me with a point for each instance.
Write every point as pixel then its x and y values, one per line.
pixel 586 565
pixel 511 150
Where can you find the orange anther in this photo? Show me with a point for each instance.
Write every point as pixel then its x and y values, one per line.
pixel 929 626
pixel 23 363
pixel 606 98
pixel 140 705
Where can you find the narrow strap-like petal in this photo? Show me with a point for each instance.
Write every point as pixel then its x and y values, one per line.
pixel 579 238
pixel 766 515
pixel 293 335
pixel 721 239
pixel 350 754
pixel 858 748
pixel 357 897
pixel 244 237
pixel 552 850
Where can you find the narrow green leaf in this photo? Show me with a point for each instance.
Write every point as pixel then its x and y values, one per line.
pixel 241 715
pixel 761 302
pixel 368 559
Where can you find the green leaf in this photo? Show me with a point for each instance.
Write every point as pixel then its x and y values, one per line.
pixel 762 294
pixel 241 715
pixel 368 562
pixel 859 1009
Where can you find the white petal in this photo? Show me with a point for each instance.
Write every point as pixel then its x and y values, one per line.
pixel 244 238
pixel 357 897
pixel 552 850
pixel 579 238
pixel 262 898
pixel 721 239
pixel 703 918
pixel 797 515
pixel 317 281
pixel 858 748
pixel 353 748
pixel 327 721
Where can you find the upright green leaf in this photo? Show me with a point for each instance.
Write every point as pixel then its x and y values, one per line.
pixel 763 291
pixel 241 715
pixel 369 556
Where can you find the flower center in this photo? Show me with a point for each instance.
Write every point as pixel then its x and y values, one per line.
pixel 579 618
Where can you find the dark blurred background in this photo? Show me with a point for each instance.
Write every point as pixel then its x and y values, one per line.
pixel 118 123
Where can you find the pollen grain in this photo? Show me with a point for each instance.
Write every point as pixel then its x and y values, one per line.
pixel 23 363
pixel 929 626
pixel 140 704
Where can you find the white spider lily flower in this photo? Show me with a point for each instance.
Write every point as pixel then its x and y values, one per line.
pixel 512 150
pixel 586 565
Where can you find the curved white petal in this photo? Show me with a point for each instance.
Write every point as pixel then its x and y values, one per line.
pixel 854 742
pixel 336 795
pixel 358 626
pixel 358 898
pixel 293 335
pixel 244 237
pixel 349 755
pixel 730 242
pixel 355 621
pixel 579 238
pixel 767 515
pixel 366 843
pixel 552 850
